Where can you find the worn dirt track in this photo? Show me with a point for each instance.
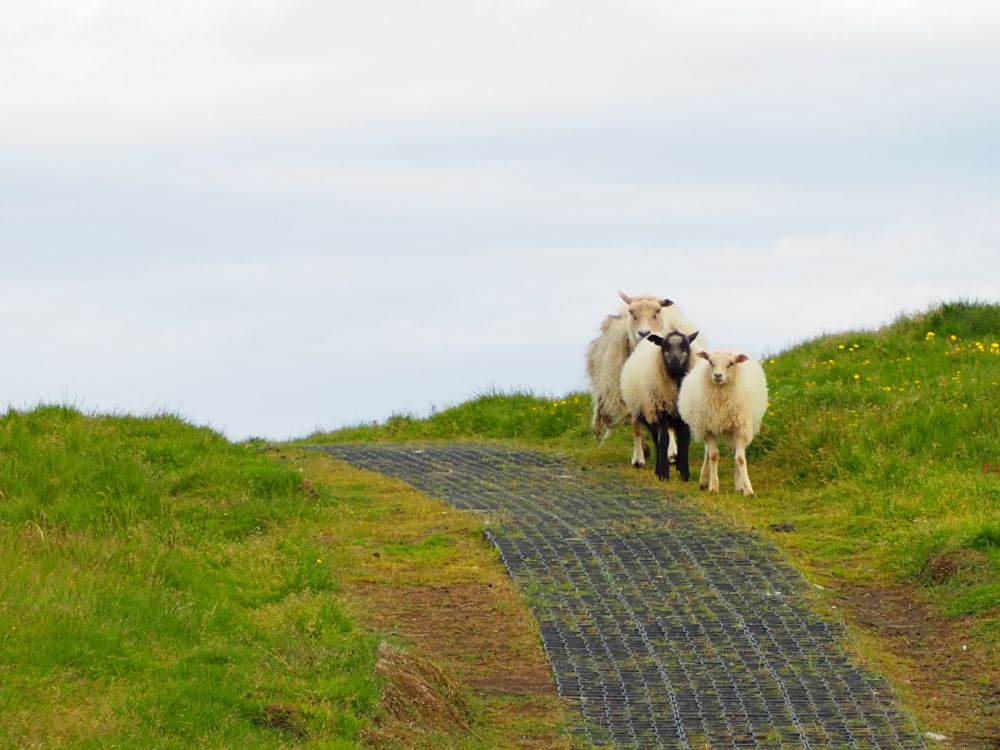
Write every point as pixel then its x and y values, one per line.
pixel 663 628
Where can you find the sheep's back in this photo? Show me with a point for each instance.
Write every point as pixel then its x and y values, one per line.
pixel 673 318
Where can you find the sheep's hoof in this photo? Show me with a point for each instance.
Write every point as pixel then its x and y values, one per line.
pixel 703 486
pixel 637 465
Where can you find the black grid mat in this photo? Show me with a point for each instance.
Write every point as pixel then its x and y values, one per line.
pixel 663 629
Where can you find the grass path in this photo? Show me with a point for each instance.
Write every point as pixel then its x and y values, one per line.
pixel 663 628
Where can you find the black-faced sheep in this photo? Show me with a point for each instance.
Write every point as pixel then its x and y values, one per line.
pixel 650 384
pixel 606 355
pixel 724 394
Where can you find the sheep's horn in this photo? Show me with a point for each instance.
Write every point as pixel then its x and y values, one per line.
pixel 625 298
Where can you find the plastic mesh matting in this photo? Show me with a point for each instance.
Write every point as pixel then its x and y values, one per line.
pixel 663 628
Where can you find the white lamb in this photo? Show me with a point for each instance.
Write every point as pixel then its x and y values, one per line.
pixel 724 394
pixel 607 353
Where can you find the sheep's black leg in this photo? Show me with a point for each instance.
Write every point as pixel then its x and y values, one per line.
pixel 662 444
pixel 683 450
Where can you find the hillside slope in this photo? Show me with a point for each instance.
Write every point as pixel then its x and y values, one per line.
pixel 878 468
pixel 163 587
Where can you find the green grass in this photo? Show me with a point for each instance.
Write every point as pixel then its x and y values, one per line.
pixel 139 559
pixel 876 446
pixel 165 588
pixel 492 416
pixel 162 587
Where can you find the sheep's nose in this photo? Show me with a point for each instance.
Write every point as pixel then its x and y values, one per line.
pixel 717 377
pixel 643 333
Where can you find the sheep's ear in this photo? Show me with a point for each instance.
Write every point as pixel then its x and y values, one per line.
pixel 703 355
pixel 666 302
pixel 693 336
pixel 625 298
pixel 658 340
pixel 742 358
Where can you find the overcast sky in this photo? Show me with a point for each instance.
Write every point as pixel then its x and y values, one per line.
pixel 271 216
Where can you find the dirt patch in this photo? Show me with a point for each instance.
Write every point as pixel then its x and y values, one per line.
pixel 479 630
pixel 482 634
pixel 282 718
pixel 954 688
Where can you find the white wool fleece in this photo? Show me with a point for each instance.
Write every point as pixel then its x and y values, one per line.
pixel 738 405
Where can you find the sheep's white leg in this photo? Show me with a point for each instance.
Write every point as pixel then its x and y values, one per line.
pixel 712 456
pixel 742 476
pixel 672 447
pixel 638 445
pixel 703 476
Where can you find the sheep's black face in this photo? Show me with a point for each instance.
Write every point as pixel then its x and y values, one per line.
pixel 675 348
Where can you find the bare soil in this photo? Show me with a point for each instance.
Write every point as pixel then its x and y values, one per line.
pixel 954 688
pixel 478 632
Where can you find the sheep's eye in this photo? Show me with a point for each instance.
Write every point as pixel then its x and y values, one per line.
pixel 730 364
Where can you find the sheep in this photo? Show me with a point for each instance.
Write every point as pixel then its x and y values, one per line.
pixel 724 394
pixel 605 357
pixel 650 383
pixel 607 354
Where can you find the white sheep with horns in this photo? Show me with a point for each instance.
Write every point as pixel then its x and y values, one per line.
pixel 606 355
pixel 724 394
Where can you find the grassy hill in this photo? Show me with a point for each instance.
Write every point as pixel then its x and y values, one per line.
pixel 881 447
pixel 879 456
pixel 163 587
